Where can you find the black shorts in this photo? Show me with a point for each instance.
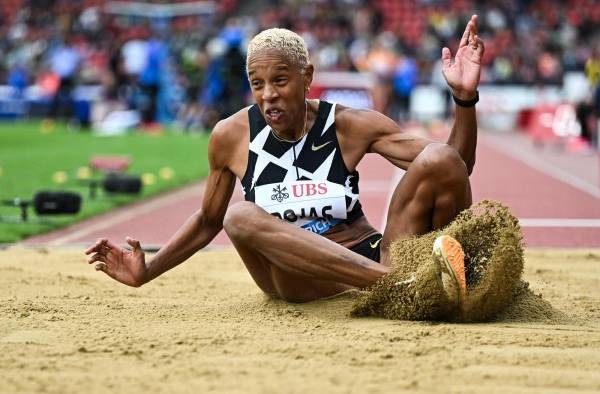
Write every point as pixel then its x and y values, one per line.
pixel 370 247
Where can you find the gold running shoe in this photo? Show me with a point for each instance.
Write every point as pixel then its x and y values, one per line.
pixel 448 255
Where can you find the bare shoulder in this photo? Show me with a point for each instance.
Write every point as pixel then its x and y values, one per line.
pixel 230 129
pixel 228 139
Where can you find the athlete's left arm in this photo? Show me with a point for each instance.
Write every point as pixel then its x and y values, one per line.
pixel 462 76
pixel 366 131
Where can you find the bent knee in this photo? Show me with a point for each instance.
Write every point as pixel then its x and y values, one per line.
pixel 238 216
pixel 244 220
pixel 441 161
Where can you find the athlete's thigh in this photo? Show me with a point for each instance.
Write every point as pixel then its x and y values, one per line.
pixel 293 263
pixel 283 284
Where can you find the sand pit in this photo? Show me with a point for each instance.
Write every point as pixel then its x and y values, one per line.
pixel 203 327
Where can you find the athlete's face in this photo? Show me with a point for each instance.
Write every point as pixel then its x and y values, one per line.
pixel 279 88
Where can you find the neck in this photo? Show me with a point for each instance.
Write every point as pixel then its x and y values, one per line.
pixel 294 136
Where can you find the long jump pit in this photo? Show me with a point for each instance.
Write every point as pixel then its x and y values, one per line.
pixel 206 327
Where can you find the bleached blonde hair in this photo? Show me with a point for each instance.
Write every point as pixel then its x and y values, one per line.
pixel 290 44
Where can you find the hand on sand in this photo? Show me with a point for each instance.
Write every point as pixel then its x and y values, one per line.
pixel 463 74
pixel 125 266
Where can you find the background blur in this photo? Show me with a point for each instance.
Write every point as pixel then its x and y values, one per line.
pixel 115 65
pixel 93 87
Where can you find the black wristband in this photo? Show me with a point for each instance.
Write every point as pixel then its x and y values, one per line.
pixel 467 103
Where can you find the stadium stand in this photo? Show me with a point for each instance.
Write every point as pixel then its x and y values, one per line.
pixel 379 37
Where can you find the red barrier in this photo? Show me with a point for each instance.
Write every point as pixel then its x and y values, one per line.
pixel 110 163
pixel 553 122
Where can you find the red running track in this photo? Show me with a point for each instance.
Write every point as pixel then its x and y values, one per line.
pixel 554 212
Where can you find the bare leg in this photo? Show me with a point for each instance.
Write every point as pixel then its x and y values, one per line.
pixel 291 263
pixel 433 191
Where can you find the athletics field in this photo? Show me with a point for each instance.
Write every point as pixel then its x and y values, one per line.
pixel 205 326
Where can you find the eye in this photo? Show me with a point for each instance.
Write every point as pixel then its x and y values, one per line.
pixel 281 80
pixel 256 84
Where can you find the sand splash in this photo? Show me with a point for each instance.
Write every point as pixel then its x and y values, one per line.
pixel 493 244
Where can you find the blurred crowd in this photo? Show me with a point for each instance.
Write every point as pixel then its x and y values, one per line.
pixel 190 68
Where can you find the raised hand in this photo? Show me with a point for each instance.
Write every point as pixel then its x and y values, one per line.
pixel 462 74
pixel 125 266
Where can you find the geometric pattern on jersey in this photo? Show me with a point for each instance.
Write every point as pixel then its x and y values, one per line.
pixel 317 156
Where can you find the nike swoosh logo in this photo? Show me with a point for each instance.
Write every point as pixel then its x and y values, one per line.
pixel 316 148
pixel 374 244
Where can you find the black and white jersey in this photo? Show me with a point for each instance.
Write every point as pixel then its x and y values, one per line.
pixel 304 182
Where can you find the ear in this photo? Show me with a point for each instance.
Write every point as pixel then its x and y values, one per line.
pixel 308 76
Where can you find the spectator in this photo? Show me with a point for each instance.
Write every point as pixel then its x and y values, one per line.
pixel 18 79
pixel 193 67
pixel 405 80
pixel 592 71
pixel 64 63
pixel 149 80
pixel 553 37
pixel 438 80
pixel 381 60
pixel 134 53
pixel 233 75
pixel 590 115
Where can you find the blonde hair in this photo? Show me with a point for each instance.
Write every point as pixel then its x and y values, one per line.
pixel 290 44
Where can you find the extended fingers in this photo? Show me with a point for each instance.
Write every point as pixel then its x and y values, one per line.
pixel 474 23
pixel 134 243
pixel 479 46
pixel 97 257
pixel 103 246
pixel 446 57
pixel 473 33
pixel 465 37
pixel 112 246
pixel 95 247
pixel 99 246
pixel 478 49
pixel 470 32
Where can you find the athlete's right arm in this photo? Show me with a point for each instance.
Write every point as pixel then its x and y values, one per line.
pixel 130 268
pixel 204 225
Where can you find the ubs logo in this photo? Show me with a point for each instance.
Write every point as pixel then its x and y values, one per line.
pixel 280 194
pixel 309 189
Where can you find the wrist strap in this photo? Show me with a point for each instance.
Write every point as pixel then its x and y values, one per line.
pixel 467 103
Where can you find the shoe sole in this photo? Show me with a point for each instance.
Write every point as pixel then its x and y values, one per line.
pixel 449 253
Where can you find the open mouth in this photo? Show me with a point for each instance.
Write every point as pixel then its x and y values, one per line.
pixel 273 114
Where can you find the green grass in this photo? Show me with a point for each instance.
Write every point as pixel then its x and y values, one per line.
pixel 29 158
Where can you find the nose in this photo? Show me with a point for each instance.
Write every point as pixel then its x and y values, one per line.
pixel 269 93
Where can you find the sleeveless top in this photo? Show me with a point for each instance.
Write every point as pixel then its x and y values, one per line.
pixel 305 182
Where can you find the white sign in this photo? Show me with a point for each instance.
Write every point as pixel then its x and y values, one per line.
pixel 301 202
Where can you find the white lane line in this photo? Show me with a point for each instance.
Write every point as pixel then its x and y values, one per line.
pixel 129 214
pixel 550 222
pixel 547 168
